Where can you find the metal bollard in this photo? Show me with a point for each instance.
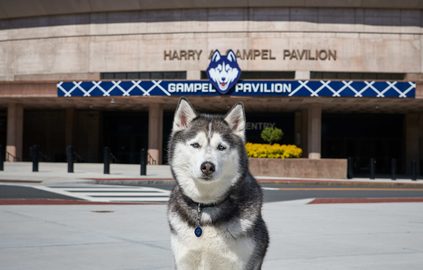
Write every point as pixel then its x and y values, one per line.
pixel 143 162
pixel 35 154
pixel 372 168
pixel 1 158
pixel 106 160
pixel 70 158
pixel 393 169
pixel 414 170
pixel 350 173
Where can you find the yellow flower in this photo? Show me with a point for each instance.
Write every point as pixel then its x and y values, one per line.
pixel 258 150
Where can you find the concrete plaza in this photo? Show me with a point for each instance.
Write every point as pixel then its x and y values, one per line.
pixel 303 236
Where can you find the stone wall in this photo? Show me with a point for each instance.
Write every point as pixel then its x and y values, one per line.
pixel 365 40
pixel 299 168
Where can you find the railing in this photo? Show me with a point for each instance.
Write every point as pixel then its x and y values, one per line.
pixel 412 171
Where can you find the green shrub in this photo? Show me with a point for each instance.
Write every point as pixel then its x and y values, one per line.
pixel 271 134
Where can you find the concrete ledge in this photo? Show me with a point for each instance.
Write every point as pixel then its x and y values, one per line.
pixel 299 167
pixel 30 8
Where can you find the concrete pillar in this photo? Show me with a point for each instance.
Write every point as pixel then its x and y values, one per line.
pixel 69 126
pixel 14 132
pixel 193 75
pixel 155 133
pixel 314 131
pixel 412 130
pixel 302 75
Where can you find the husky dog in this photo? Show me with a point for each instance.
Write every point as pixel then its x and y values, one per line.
pixel 214 210
pixel 223 71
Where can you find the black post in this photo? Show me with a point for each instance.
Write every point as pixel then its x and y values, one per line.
pixel 350 173
pixel 35 153
pixel 70 158
pixel 414 170
pixel 1 158
pixel 393 169
pixel 372 168
pixel 143 161
pixel 106 160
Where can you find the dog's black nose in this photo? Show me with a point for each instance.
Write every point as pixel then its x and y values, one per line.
pixel 207 168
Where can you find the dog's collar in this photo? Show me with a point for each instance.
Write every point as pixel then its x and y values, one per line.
pixel 195 204
pixel 198 231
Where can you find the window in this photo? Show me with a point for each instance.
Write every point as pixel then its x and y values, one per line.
pixel 356 76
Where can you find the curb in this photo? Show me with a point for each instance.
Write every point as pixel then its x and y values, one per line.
pixel 302 182
pixel 20 181
pixel 365 200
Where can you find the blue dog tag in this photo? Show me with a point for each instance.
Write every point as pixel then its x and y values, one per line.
pixel 198 231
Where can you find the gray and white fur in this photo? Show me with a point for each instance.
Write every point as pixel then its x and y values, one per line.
pixel 214 191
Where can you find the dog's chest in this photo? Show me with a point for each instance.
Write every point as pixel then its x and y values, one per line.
pixel 216 248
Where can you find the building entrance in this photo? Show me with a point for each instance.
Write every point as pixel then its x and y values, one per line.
pixel 45 128
pixel 126 133
pixel 365 136
pixel 3 128
pixel 256 122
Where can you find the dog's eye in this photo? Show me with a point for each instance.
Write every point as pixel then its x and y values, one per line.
pixel 195 145
pixel 221 147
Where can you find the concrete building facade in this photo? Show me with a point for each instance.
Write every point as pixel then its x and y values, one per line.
pixel 43 42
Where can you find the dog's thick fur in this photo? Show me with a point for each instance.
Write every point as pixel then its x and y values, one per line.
pixel 222 197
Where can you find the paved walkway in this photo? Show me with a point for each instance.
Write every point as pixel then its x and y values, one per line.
pixel 303 237
pixel 57 172
pixel 115 237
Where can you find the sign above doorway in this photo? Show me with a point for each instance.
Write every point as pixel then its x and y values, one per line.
pixel 224 74
pixel 294 88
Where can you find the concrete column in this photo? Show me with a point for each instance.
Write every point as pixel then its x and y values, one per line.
pixel 302 75
pixel 412 131
pixel 314 131
pixel 14 132
pixel 69 126
pixel 155 133
pixel 193 75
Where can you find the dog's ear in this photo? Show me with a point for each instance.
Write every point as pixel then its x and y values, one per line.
pixel 183 116
pixel 216 56
pixel 231 56
pixel 236 120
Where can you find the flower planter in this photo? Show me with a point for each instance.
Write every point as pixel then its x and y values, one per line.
pixel 299 167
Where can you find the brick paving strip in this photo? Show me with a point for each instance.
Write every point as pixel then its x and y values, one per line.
pixel 364 200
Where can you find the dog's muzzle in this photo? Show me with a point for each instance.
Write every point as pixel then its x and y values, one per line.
pixel 207 168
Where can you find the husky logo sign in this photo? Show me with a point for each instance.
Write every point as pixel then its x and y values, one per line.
pixel 223 71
